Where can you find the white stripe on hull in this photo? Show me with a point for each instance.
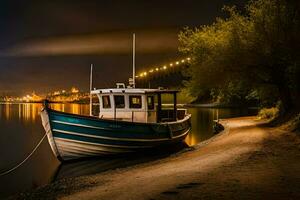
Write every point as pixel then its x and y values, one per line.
pixel 105 145
pixel 80 125
pixel 111 138
pixel 79 150
pixel 78 146
pixel 121 139
pixel 86 148
pixel 115 138
pixel 182 135
pixel 69 149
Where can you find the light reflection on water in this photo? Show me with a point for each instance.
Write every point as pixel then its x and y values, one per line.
pixel 23 111
pixel 21 130
pixel 30 111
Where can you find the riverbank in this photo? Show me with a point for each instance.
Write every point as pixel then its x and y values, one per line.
pixel 217 105
pixel 246 161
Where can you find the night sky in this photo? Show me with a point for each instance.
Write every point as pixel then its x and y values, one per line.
pixel 49 45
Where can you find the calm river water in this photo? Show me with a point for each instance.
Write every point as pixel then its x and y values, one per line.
pixel 21 130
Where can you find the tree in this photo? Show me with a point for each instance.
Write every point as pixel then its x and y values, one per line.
pixel 258 49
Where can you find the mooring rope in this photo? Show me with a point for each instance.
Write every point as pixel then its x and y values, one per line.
pixel 21 163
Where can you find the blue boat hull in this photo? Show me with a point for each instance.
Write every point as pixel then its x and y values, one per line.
pixel 75 136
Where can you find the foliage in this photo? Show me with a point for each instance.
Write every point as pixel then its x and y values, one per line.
pixel 183 97
pixel 233 93
pixel 254 55
pixel 268 113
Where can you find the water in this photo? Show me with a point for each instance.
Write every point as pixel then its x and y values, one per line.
pixel 21 130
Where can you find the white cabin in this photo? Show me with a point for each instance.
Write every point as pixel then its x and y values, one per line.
pixel 136 105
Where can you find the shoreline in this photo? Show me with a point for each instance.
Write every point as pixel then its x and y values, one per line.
pixel 217 105
pixel 248 160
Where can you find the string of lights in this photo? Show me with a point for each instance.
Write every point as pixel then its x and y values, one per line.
pixel 162 68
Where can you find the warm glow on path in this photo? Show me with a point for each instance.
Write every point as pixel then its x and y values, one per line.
pixel 213 168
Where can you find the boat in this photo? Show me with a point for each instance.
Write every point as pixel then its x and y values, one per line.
pixel 129 120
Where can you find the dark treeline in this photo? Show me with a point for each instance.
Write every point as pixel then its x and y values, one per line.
pixel 250 56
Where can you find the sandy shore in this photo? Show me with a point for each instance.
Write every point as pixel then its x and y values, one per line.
pixel 246 161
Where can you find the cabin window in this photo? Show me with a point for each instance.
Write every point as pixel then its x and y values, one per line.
pixel 119 101
pixel 150 102
pixel 106 102
pixel 135 102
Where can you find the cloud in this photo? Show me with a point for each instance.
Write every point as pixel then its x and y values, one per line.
pixel 150 41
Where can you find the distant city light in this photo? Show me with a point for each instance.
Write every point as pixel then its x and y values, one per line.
pixel 56 96
pixel 74 90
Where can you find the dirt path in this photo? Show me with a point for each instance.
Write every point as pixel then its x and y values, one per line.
pixel 247 161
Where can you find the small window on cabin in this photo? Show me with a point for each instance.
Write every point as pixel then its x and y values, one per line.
pixel 106 102
pixel 150 102
pixel 119 101
pixel 135 102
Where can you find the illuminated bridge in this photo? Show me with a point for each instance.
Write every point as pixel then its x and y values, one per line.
pixel 168 75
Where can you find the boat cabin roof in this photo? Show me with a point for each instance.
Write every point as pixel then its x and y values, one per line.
pixel 133 91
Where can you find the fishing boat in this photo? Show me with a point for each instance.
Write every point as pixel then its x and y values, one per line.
pixel 129 119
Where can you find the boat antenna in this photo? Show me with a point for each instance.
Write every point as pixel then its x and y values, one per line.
pixel 133 60
pixel 91 87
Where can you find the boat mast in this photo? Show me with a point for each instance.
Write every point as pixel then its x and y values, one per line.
pixel 133 60
pixel 91 87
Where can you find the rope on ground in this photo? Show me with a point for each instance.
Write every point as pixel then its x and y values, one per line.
pixel 21 163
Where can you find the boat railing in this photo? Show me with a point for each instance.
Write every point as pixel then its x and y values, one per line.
pixel 167 114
